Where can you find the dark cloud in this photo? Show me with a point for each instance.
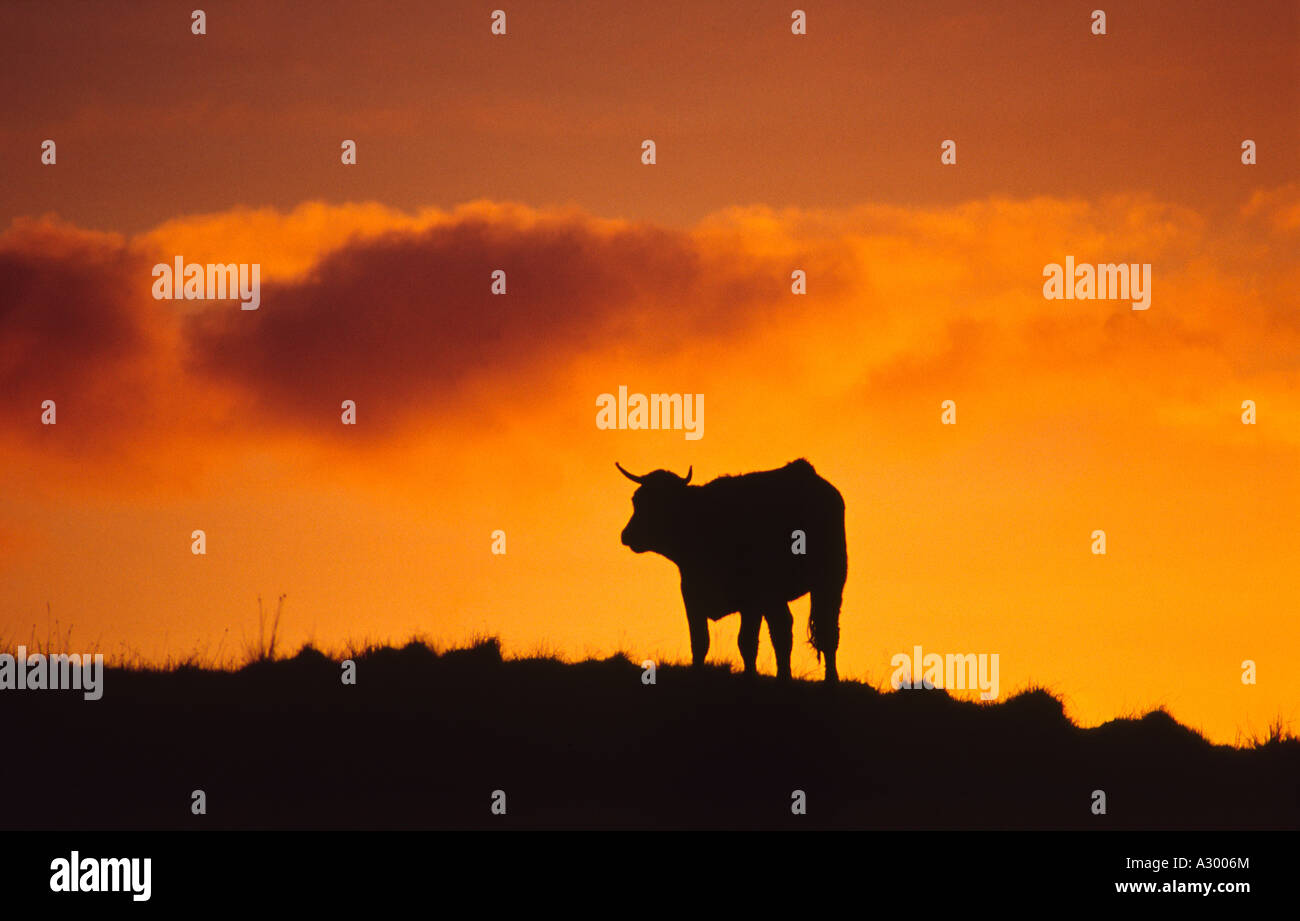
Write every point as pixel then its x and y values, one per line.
pixel 74 329
pixel 401 322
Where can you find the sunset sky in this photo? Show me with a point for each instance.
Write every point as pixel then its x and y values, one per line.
pixel 476 412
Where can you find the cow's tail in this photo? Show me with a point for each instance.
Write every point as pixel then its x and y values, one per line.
pixel 824 621
pixel 827 596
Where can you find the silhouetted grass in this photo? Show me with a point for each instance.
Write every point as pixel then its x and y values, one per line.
pixel 425 736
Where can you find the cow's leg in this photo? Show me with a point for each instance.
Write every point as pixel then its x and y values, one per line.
pixel 831 674
pixel 780 627
pixel 697 618
pixel 750 621
pixel 699 625
pixel 824 615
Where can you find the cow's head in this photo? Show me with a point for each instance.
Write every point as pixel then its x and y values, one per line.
pixel 658 511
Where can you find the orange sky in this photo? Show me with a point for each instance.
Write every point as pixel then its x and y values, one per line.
pixel 477 412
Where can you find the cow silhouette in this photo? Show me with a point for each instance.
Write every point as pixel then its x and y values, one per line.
pixel 750 543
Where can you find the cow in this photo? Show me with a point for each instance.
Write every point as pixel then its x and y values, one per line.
pixel 750 543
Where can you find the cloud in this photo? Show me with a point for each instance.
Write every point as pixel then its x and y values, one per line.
pixel 74 329
pixel 401 322
pixel 394 311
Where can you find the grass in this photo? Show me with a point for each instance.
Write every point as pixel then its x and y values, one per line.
pixel 265 649
pixel 1276 734
pixel 424 732
pixel 487 647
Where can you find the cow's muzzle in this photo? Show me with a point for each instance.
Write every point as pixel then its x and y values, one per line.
pixel 630 542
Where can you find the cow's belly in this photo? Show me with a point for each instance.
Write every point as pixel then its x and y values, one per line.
pixel 720 603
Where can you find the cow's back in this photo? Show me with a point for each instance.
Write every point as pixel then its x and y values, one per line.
pixel 747 539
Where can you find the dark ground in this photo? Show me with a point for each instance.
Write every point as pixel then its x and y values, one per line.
pixel 422 740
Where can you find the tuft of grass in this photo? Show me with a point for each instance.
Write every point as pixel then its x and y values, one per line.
pixel 481 639
pixel 359 649
pixel 1276 734
pixel 542 651
pixel 57 639
pixel 486 645
pixel 265 649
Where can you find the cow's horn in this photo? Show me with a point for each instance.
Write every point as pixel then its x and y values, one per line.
pixel 634 479
pixel 688 475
